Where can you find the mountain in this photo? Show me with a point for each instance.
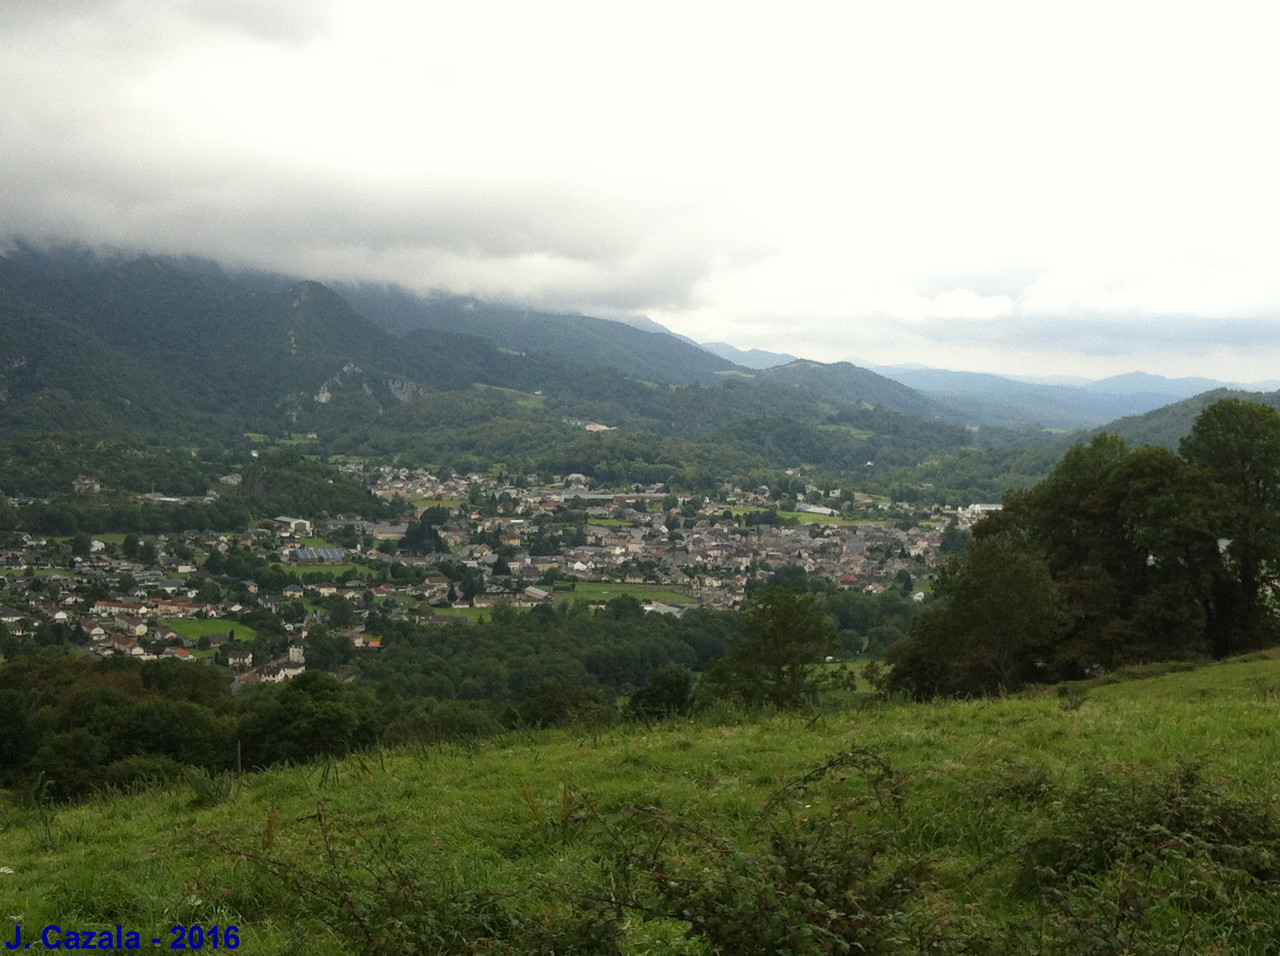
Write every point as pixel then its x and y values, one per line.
pixel 59 377
pixel 1168 424
pixel 842 381
pixel 1133 383
pixel 151 346
pixel 641 353
pixel 209 347
pixel 995 399
pixel 748 358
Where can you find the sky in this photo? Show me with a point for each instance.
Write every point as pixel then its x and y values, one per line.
pixel 1045 188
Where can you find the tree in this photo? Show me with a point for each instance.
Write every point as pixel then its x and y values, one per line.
pixel 791 576
pixel 624 607
pixel 81 544
pixel 556 701
pixel 1235 446
pixel 326 650
pixel 667 693
pixel 954 539
pixel 999 621
pixel 773 663
pixel 1121 530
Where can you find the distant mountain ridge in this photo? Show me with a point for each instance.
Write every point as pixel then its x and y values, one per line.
pixel 846 382
pixel 1143 382
pixel 172 350
pixel 749 358
pixel 997 399
pixel 259 346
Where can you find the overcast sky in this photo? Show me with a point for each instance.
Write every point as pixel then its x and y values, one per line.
pixel 1026 187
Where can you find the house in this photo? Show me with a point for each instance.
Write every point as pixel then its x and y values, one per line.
pixel 122 645
pixel 238 658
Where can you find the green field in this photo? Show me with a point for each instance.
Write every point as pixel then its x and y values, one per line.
pixel 1136 817
pixel 470 613
pixel 598 591
pixel 523 399
pixel 196 628
pixel 802 517
pixel 806 518
pixel 859 433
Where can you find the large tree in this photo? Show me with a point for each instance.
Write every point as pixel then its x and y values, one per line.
pixel 1122 535
pixel 994 629
pixel 1235 446
pixel 773 661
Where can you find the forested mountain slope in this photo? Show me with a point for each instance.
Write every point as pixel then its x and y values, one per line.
pixel 183 351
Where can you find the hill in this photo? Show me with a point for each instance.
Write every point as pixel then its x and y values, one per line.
pixel 208 357
pixel 748 358
pixel 1140 812
pixel 646 353
pixel 1171 388
pixel 842 381
pixel 1168 425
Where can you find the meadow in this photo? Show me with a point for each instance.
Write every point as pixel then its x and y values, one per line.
pixel 601 591
pixel 1136 816
pixel 196 628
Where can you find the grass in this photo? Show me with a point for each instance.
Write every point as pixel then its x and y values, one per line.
pixel 523 399
pixel 860 433
pixel 1138 814
pixel 607 590
pixel 196 628
pixel 804 517
pixel 470 613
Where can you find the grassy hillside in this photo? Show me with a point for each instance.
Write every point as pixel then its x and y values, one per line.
pixel 1131 817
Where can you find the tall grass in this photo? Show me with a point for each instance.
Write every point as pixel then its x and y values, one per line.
pixel 1129 817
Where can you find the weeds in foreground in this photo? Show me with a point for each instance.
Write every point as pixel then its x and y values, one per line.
pixel 382 899
pixel 208 789
pixel 832 861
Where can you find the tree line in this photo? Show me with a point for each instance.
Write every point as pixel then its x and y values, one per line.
pixel 1120 556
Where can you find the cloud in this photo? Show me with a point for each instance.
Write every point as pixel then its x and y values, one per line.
pixel 998 184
